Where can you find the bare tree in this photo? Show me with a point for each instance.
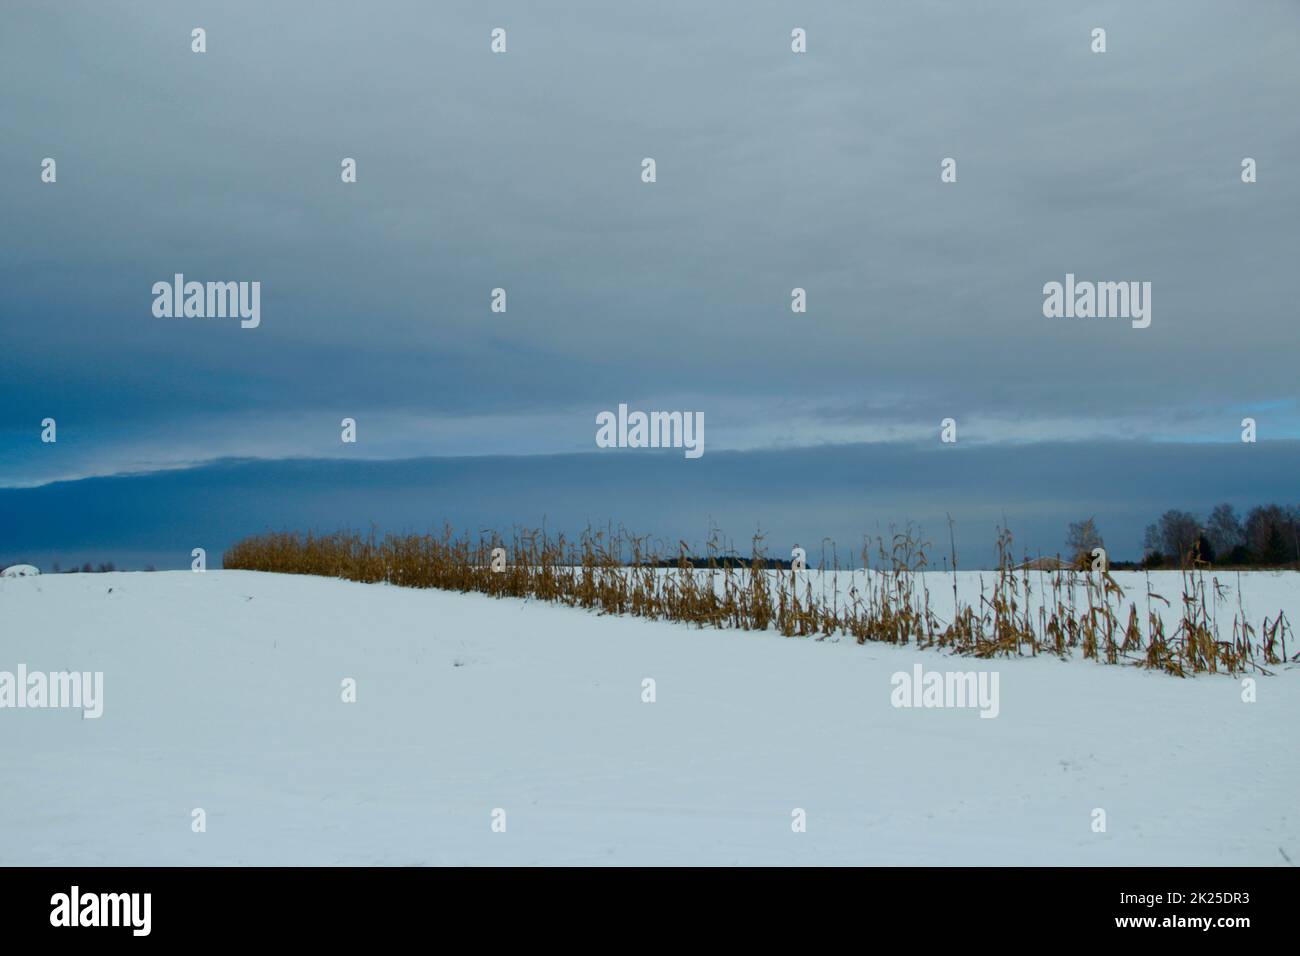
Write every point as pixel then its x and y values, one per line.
pixel 1081 539
pixel 1224 530
pixel 1270 533
pixel 1175 534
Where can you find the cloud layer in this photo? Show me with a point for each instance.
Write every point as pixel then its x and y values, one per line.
pixel 522 171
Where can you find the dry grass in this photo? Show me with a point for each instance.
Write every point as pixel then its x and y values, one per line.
pixel 614 572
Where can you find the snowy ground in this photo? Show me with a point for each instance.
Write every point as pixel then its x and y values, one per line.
pixel 222 692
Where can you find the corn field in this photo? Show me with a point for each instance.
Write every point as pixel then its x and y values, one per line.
pixel 888 597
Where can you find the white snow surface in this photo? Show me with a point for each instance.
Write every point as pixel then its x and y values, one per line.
pixel 222 691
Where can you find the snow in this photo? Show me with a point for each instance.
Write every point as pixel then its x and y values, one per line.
pixel 222 691
pixel 20 571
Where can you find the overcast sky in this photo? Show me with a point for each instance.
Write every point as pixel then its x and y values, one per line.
pixel 775 170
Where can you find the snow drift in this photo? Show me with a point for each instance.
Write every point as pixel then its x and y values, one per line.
pixel 224 692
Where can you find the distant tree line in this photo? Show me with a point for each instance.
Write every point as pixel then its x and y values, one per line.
pixel 1268 537
pixel 86 568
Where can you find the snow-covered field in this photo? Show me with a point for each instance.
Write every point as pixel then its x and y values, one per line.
pixel 223 691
